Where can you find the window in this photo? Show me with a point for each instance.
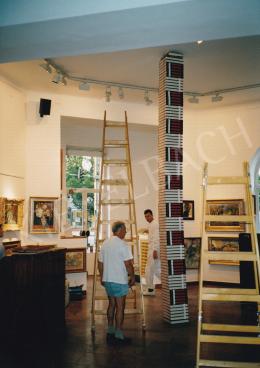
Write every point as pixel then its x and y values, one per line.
pixel 82 188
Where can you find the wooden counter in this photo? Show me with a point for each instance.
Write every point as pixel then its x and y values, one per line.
pixel 32 294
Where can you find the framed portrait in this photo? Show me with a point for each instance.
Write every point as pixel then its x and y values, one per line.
pixel 13 214
pixel 43 217
pixel 2 210
pixel 192 248
pixel 188 210
pixel 224 207
pixel 75 260
pixel 225 244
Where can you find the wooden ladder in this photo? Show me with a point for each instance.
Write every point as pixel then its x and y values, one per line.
pixel 215 333
pixel 116 160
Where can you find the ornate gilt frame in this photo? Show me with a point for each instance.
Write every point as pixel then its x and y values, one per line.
pixel 18 224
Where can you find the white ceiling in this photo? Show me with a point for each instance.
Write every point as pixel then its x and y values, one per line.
pixel 125 45
pixel 213 65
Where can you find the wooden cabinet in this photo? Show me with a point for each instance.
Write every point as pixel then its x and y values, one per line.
pixel 32 294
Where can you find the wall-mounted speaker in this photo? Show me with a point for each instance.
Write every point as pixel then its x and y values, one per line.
pixel 45 107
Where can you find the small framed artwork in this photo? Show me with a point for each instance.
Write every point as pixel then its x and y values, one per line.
pixel 188 210
pixel 225 244
pixel 222 207
pixel 13 214
pixel 192 248
pixel 75 260
pixel 2 210
pixel 43 218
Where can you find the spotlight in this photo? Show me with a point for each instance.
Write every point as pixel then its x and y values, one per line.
pixel 108 93
pixel 46 67
pixel 84 86
pixel 147 99
pixel 216 98
pixel 58 77
pixel 121 93
pixel 199 42
pixel 193 99
pixel 64 81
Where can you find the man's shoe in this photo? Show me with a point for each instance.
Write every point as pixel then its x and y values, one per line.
pixel 150 292
pixel 124 341
pixel 110 338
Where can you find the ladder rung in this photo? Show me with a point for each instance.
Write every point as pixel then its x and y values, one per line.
pixel 115 144
pixel 230 339
pixel 227 364
pixel 212 180
pixel 230 291
pixel 230 328
pixel 107 222
pixel 115 162
pixel 231 298
pixel 127 311
pixel 104 297
pixel 117 201
pixel 229 218
pixel 115 182
pixel 126 239
pixel 112 124
pixel 230 256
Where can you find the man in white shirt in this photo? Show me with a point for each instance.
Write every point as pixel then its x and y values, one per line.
pixel 115 264
pixel 153 266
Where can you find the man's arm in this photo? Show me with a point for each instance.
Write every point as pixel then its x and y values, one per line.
pixel 130 269
pixel 100 269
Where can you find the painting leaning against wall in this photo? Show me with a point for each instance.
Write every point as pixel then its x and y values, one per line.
pixel 192 252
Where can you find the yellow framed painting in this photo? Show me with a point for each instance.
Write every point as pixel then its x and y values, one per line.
pixel 43 217
pixel 223 244
pixel 13 214
pixel 222 207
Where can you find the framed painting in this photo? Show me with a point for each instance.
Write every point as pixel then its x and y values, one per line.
pixel 43 217
pixel 224 207
pixel 188 210
pixel 2 210
pixel 192 248
pixel 13 214
pixel 225 244
pixel 75 260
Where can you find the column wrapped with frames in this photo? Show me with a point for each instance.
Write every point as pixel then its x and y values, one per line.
pixel 174 292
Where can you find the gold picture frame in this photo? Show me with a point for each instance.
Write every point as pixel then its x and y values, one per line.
pixel 2 210
pixel 43 216
pixel 13 214
pixel 223 244
pixel 225 207
pixel 75 260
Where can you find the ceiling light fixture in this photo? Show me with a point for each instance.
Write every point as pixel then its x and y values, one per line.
pixel 46 67
pixel 147 99
pixel 58 77
pixel 216 98
pixel 194 99
pixel 84 86
pixel 199 42
pixel 108 93
pixel 121 94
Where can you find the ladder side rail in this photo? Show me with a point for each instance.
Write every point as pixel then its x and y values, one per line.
pixel 252 226
pixel 203 239
pixel 98 227
pixel 131 192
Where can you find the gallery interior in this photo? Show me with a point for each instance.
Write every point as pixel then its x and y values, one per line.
pixel 108 109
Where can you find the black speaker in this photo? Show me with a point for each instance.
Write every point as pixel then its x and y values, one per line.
pixel 45 107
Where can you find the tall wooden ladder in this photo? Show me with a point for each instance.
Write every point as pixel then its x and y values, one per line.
pixel 216 333
pixel 116 203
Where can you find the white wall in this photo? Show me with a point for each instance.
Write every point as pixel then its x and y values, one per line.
pixel 207 137
pixel 12 144
pixel 224 137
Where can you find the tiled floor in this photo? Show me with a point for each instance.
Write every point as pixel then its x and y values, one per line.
pixel 162 345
